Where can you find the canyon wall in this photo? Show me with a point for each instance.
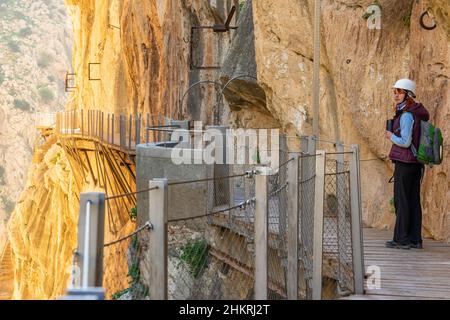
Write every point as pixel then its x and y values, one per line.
pixel 135 57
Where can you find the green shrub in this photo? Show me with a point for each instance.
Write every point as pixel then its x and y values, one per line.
pixel 406 19
pixel 194 254
pixel 392 206
pixel 46 95
pixel 2 76
pixel 241 4
pixel 22 105
pixel 133 214
pixel 8 205
pixel 44 60
pixel 13 46
pixel 25 32
pixel 2 176
pixel 136 289
pixel 118 294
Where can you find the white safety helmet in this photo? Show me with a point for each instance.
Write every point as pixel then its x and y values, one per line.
pixel 407 85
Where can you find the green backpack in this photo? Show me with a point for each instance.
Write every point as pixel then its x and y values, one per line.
pixel 430 145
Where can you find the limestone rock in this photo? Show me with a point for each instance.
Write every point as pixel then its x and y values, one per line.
pixel 358 69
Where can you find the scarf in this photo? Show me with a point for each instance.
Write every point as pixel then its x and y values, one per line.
pixel 401 106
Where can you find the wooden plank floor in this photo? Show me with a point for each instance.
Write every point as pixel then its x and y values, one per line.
pixel 406 274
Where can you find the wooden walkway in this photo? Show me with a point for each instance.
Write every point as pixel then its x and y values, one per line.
pixel 406 274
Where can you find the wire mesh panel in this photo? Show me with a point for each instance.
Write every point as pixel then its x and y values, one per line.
pixel 123 270
pixel 211 255
pixel 337 241
pixel 306 188
pixel 277 223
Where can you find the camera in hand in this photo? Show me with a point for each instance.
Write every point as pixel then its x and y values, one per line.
pixel 390 125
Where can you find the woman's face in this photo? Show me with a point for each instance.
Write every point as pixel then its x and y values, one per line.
pixel 399 95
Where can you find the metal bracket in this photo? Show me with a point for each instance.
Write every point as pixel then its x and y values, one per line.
pixel 69 77
pixel 113 27
pixel 422 23
pixel 217 28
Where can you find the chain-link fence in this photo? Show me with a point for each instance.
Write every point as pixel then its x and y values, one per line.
pixel 123 269
pixel 210 255
pixel 211 244
pixel 306 200
pixel 337 237
pixel 277 235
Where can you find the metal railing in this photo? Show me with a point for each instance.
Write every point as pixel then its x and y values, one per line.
pixel 122 131
pixel 291 233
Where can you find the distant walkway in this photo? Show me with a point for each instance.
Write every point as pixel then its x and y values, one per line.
pixel 407 274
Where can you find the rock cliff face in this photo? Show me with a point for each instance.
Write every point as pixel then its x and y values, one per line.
pixel 358 68
pixel 129 57
pixel 34 57
pixel 42 230
pixel 140 52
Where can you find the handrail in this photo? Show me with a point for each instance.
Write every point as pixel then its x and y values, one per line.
pixel 122 131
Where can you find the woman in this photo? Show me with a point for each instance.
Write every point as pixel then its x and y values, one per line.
pixel 408 171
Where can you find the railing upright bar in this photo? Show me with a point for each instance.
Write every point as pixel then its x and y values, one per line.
pixel 158 215
pixel 318 225
pixel 107 129
pixel 356 213
pixel 112 128
pixel 261 233
pixel 292 226
pixel 138 130
pixel 130 131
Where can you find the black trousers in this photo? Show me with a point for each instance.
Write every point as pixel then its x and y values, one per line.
pixel 408 225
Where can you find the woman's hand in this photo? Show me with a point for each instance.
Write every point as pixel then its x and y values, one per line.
pixel 389 135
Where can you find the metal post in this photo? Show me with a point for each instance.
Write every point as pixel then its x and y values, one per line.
pixel 102 130
pixel 137 139
pixel 130 131
pixel 112 128
pixel 341 212
pixel 98 124
pixel 318 225
pixel 90 238
pixel 159 132
pixel 261 232
pixel 221 169
pixel 356 212
pixel 307 173
pixel 158 239
pixel 122 131
pixel 107 129
pixel 146 129
pixel 316 74
pixel 292 226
